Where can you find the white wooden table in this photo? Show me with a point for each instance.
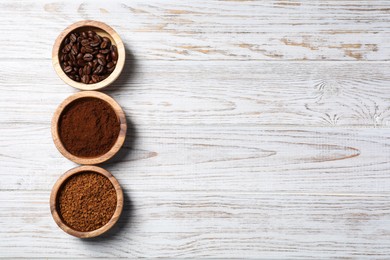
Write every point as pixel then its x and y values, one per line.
pixel 259 129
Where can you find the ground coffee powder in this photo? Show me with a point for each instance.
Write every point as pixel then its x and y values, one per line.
pixel 86 201
pixel 88 127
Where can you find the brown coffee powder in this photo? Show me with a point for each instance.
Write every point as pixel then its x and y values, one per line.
pixel 86 201
pixel 88 127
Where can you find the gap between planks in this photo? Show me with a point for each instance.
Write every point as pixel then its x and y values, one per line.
pixel 235 192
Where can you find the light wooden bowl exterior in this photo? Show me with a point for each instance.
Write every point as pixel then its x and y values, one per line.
pixel 103 30
pixel 108 225
pixel 89 160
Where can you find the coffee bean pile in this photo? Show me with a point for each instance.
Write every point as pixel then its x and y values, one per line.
pixel 87 57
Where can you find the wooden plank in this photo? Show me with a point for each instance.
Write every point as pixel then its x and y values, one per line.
pixel 204 30
pixel 216 158
pixel 195 131
pixel 238 146
pixel 187 224
pixel 329 94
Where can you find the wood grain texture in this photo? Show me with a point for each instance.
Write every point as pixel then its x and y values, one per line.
pixel 321 94
pixel 199 225
pixel 256 129
pixel 216 158
pixel 204 30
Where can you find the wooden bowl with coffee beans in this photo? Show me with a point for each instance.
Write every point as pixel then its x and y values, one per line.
pixel 88 55
pixel 89 127
pixel 86 201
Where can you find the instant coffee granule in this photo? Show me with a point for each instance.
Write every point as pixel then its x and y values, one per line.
pixel 88 127
pixel 86 201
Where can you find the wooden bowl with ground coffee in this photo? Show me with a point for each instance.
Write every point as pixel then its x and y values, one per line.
pixel 89 127
pixel 86 201
pixel 88 55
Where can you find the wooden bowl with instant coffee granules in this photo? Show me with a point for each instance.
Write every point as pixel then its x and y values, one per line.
pixel 89 127
pixel 88 55
pixel 86 201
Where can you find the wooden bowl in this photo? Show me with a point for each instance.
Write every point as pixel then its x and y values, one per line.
pixel 89 160
pixel 103 30
pixel 54 206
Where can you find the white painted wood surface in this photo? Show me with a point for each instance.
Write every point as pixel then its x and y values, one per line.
pixel 260 129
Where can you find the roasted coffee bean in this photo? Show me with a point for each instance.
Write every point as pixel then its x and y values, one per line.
pixel 85 42
pixel 81 62
pixel 106 43
pixel 91 34
pixel 96 41
pixel 110 65
pixel 71 57
pixel 95 64
pixel 114 55
pixel 68 69
pixel 98 70
pixel 102 61
pixel 104 51
pixel 66 48
pixel 74 50
pixel 73 37
pixel 110 69
pixel 88 57
pixel 88 49
pixel 114 52
pixel 103 45
pixel 79 56
pixel 100 56
pixel 85 79
pixel 87 70
pixel 95 78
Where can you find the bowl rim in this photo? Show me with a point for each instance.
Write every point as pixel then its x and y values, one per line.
pixel 55 191
pixel 89 160
pixel 79 85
